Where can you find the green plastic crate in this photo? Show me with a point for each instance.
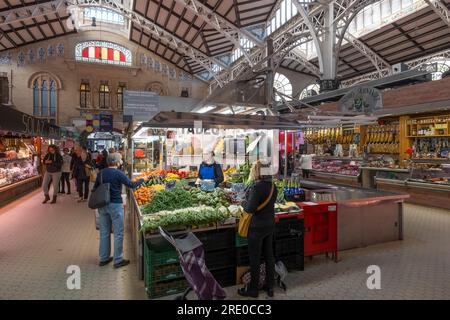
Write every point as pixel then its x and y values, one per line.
pixel 159 252
pixel 167 288
pixel 241 242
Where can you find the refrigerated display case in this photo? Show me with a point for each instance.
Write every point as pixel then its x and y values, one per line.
pixel 337 170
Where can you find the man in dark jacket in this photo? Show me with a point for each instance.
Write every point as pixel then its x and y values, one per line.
pixel 53 163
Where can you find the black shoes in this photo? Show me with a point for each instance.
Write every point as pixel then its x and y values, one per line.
pixel 269 291
pixel 122 263
pixel 104 263
pixel 244 292
pixel 47 198
pixel 53 200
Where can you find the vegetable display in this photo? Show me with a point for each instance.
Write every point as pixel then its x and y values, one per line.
pixel 215 199
pixel 201 215
pixel 170 199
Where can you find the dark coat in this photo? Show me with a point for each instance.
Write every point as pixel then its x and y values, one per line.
pixel 57 162
pixel 255 195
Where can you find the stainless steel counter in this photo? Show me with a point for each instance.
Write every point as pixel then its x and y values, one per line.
pixel 365 216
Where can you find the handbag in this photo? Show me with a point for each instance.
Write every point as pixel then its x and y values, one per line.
pixel 101 196
pixel 246 218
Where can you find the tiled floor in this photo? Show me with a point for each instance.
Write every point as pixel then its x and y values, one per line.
pixel 38 242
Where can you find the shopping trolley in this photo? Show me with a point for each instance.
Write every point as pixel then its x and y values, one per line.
pixel 192 261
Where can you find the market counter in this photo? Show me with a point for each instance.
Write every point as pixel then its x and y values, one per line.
pixel 428 194
pixel 365 216
pixel 335 178
pixel 16 190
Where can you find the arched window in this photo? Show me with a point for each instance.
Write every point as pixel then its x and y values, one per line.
pixel 102 52
pixel 45 97
pixel 120 90
pixel 282 85
pixel 309 91
pixel 85 94
pixel 104 96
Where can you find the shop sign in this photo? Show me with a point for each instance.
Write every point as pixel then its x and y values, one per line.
pixel 140 105
pixel 19 122
pixel 361 99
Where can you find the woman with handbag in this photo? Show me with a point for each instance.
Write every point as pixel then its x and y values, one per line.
pixel 260 203
pixel 113 212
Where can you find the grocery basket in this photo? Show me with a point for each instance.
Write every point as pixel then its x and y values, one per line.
pixel 192 261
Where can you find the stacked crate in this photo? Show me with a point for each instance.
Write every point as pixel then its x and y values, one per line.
pixel 162 271
pixel 289 240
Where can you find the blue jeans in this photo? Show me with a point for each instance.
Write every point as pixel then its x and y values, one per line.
pixel 112 213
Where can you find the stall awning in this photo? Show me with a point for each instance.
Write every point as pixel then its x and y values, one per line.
pixel 191 120
pixel 17 122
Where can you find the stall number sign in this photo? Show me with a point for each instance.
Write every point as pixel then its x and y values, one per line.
pixel 361 100
pixel 140 105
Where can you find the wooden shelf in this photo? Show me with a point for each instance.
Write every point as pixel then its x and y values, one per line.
pixel 431 136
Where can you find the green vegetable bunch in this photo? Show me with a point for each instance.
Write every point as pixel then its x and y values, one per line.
pixel 168 199
pixel 192 216
pixel 215 199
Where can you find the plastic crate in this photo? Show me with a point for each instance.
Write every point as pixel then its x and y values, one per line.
pixel 240 241
pixel 158 252
pixel 220 259
pixel 165 272
pixel 292 246
pixel 167 288
pixel 226 276
pixel 289 228
pixel 293 262
pixel 217 239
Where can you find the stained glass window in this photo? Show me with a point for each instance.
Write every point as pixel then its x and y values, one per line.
pixel 102 52
pixel 45 97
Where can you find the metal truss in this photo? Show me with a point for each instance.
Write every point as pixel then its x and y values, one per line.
pixel 379 63
pixel 32 11
pixel 222 25
pixel 208 63
pixel 440 9
pixel 416 64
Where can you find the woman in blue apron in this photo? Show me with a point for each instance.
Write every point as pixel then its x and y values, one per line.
pixel 210 170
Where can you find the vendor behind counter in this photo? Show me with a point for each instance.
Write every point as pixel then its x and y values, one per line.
pixel 210 170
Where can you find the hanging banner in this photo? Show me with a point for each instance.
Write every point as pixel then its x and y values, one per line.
pixel 140 105
pixel 361 99
pixel 15 121
pixel 106 123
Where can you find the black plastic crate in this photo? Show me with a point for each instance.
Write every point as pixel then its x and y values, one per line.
pixel 225 277
pixel 217 239
pixel 289 227
pixel 220 258
pixel 289 246
pixel 293 262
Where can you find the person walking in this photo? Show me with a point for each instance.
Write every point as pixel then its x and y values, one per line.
pixel 82 167
pixel 65 175
pixel 261 192
pixel 53 162
pixel 306 164
pixel 113 213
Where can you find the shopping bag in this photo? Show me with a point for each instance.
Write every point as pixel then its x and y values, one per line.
pixel 101 196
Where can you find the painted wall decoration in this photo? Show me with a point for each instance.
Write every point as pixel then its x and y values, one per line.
pixel 172 74
pixel 21 59
pixel 60 49
pixel 103 52
pixel 31 56
pixel 157 66
pixel 143 59
pixel 164 69
pixel 51 51
pixel 6 59
pixel 41 54
pixel 150 63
